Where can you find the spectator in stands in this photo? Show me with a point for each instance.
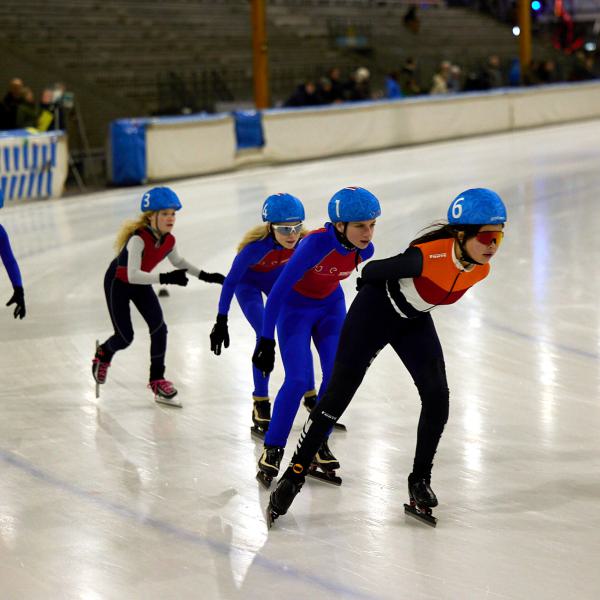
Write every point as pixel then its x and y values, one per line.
pixel 492 74
pixel 530 74
pixel 547 72
pixel 439 82
pixel 514 73
pixel 10 104
pixel 305 95
pixel 27 112
pixel 408 78
pixel 392 85
pixel 325 91
pixel 583 68
pixel 337 87
pixel 52 113
pixel 411 19
pixel 359 87
pixel 454 82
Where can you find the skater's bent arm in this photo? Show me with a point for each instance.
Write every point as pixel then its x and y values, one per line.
pixel 178 261
pixel 248 256
pixel 404 265
pixel 308 254
pixel 8 258
pixel 135 248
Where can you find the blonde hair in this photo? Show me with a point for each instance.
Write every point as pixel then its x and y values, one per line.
pixel 260 232
pixel 130 227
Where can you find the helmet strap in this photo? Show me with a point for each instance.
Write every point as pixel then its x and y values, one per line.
pixel 342 239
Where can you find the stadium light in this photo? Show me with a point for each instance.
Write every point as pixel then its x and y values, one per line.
pixel 516 31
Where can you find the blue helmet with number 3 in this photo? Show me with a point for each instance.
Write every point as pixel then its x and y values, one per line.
pixel 282 208
pixel 477 206
pixel 353 204
pixel 160 198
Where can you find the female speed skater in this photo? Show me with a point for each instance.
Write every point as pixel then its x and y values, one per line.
pixel 308 302
pixel 393 307
pixel 262 254
pixel 141 245
pixel 12 268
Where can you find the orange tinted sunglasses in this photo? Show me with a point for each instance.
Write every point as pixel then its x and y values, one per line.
pixel 488 237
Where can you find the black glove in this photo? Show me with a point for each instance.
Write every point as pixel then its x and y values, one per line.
pixel 177 277
pixel 18 298
pixel 359 283
pixel 264 355
pixel 219 335
pixel 212 278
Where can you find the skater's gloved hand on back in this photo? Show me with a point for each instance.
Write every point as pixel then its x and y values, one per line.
pixel 177 277
pixel 212 278
pixel 359 283
pixel 264 355
pixel 18 298
pixel 219 336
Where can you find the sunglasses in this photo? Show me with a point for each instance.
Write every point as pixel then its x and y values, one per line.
pixel 487 237
pixel 288 229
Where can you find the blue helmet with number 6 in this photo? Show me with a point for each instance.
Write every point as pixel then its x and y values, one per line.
pixel 160 198
pixel 353 204
pixel 477 206
pixel 282 208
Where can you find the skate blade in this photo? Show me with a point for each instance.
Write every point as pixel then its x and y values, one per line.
pixel 173 402
pixel 271 516
pixel 257 432
pixel 264 479
pixel 428 519
pixel 97 384
pixel 325 477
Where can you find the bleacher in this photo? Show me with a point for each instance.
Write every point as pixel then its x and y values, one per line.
pixel 121 56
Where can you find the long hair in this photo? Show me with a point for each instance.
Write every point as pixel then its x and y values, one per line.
pixel 441 231
pixel 260 232
pixel 129 227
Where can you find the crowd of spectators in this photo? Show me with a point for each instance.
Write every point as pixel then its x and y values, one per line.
pixel 448 78
pixel 19 109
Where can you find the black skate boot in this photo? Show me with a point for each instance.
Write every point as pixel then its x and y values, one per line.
pixel 268 464
pixel 261 417
pixel 282 497
pixel 324 466
pixel 422 500
pixel 310 401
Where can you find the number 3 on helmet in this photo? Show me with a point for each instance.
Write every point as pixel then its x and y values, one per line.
pixel 160 198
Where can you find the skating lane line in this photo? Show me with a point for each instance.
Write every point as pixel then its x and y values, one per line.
pixel 184 535
pixel 541 340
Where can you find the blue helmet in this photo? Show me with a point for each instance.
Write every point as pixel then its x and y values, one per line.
pixel 160 198
pixel 477 206
pixel 353 204
pixel 282 208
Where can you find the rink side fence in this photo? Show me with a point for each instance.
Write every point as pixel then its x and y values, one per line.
pixel 155 149
pixel 32 165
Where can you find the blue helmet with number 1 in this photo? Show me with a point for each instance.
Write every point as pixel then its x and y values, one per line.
pixel 353 204
pixel 477 206
pixel 282 208
pixel 160 198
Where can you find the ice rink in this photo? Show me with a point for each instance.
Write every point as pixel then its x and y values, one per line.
pixel 120 498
